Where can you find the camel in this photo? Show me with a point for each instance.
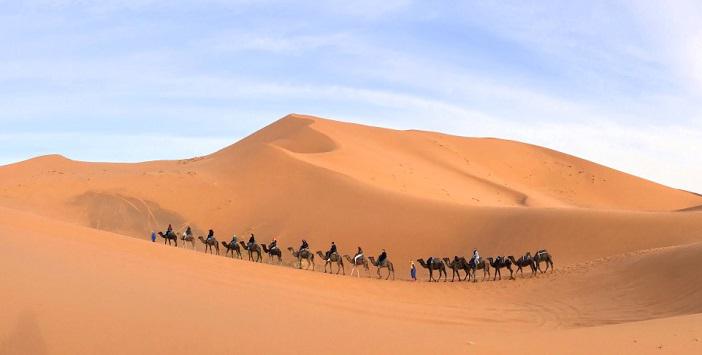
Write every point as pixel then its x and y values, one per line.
pixel 333 258
pixel 209 244
pixel 304 254
pixel 456 265
pixel 358 262
pixel 273 252
pixel 254 249
pixel 499 263
pixel 168 237
pixel 434 264
pixel 524 261
pixel 484 265
pixel 188 238
pixel 232 248
pixel 543 256
pixel 385 264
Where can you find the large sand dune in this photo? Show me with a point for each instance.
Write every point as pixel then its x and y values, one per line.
pixel 627 250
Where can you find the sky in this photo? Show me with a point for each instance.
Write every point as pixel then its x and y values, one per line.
pixel 615 82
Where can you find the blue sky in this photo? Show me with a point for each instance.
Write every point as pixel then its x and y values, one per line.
pixel 617 82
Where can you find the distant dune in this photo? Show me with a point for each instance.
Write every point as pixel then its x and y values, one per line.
pixel 626 249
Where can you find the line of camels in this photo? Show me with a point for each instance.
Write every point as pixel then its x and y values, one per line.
pixel 458 264
pixel 470 267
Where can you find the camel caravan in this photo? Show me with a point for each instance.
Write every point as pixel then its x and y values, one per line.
pixel 333 259
pixel 470 267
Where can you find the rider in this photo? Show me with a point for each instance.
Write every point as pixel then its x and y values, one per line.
pixel 210 234
pixel 169 231
pixel 381 258
pixel 188 232
pixel 235 240
pixel 252 241
pixel 359 254
pixel 476 257
pixel 304 246
pixel 274 244
pixel 331 251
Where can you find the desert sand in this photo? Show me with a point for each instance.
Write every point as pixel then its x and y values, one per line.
pixel 80 276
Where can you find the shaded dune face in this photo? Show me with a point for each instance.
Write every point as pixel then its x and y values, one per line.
pixel 124 214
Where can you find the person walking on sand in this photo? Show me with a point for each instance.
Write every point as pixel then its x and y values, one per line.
pixel 153 236
pixel 413 271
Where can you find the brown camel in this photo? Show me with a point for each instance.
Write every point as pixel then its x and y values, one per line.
pixel 543 256
pixel 385 264
pixel 188 238
pixel 168 237
pixel 456 265
pixel 209 244
pixel 358 262
pixel 499 263
pixel 254 249
pixel 484 265
pixel 523 262
pixel 232 248
pixel 434 264
pixel 273 252
pixel 304 254
pixel 333 258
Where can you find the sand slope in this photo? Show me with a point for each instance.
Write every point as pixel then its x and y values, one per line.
pixel 87 291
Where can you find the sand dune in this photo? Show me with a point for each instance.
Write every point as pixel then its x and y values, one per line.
pixel 626 249
pixel 92 291
pixel 325 180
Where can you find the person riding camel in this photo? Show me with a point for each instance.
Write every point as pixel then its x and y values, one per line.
pixel 235 240
pixel 274 244
pixel 476 257
pixel 169 231
pixel 304 246
pixel 359 255
pixel 188 232
pixel 252 242
pixel 331 251
pixel 210 234
pixel 381 258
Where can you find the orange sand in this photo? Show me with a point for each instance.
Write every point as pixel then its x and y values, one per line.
pixel 627 278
